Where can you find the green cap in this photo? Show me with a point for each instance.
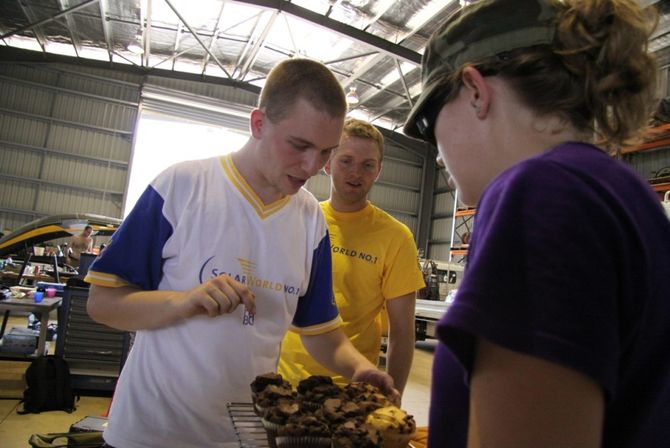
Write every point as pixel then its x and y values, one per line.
pixel 477 31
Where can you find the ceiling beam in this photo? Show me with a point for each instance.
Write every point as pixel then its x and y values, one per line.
pixel 196 37
pixel 215 35
pixel 249 63
pixel 247 45
pixel 71 26
pixel 39 35
pixel 176 43
pixel 146 35
pixel 383 10
pixel 14 55
pixel 383 45
pixel 105 28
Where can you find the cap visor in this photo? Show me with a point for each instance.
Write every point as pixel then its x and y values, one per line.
pixel 410 128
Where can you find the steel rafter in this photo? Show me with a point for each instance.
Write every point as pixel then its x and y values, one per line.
pixel 215 35
pixel 105 28
pixel 349 31
pixel 146 36
pixel 196 37
pixel 247 45
pixel 39 35
pixel 251 59
pixel 64 13
pixel 445 10
pixel 71 26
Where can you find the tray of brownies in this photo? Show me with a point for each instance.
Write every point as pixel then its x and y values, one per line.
pixel 319 413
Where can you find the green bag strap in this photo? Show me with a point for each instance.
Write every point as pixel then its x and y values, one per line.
pixel 70 439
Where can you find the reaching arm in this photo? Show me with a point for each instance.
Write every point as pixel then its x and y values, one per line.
pixel 129 308
pixel 400 338
pixel 335 352
pixel 520 401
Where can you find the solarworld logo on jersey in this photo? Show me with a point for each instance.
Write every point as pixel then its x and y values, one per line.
pixel 210 270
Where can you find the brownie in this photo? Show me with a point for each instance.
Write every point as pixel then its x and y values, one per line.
pixel 262 381
pixel 272 394
pixel 336 411
pixel 312 382
pixel 281 411
pixel 304 425
pixel 358 390
pixel 356 434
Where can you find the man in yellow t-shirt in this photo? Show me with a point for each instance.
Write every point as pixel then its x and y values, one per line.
pixel 374 263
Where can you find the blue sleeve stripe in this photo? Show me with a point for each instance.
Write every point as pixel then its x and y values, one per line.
pixel 135 251
pixel 318 306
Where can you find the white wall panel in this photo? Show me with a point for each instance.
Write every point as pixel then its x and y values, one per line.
pixel 441 229
pixel 401 174
pixel 95 87
pixel 650 162
pixel 410 221
pixel 227 93
pixel 16 162
pixel 90 143
pixel 441 178
pixel 90 176
pixel 10 221
pixel 443 203
pixel 14 194
pixel 319 186
pixel 25 99
pixel 55 200
pixel 94 112
pixel 22 130
pixel 394 198
pixel 392 149
pixel 439 252
pixel 29 73
pixel 83 173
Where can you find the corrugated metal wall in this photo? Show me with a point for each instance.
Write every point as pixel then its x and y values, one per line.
pixel 649 163
pixel 441 219
pixel 66 136
pixel 65 140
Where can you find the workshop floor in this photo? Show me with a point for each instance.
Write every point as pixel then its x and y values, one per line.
pixel 15 429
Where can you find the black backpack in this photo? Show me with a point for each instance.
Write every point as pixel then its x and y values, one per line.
pixel 48 380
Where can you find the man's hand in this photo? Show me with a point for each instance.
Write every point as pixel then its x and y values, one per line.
pixel 380 379
pixel 220 295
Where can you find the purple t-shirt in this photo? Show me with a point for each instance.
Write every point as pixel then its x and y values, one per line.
pixel 570 262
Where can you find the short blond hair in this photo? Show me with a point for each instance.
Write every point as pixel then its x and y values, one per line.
pixel 293 79
pixel 354 127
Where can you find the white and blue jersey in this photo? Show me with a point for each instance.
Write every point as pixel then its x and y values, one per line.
pixel 198 220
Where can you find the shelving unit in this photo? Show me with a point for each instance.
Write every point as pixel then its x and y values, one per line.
pixel 655 137
pixel 461 230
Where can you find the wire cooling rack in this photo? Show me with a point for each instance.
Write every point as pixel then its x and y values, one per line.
pixel 248 426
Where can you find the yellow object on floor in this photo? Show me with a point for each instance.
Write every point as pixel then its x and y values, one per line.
pixel 420 439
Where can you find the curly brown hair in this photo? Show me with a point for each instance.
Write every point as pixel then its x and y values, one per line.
pixel 598 74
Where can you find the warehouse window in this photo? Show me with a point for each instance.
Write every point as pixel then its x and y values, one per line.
pixel 162 141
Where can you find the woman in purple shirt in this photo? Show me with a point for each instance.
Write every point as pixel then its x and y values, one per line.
pixel 559 335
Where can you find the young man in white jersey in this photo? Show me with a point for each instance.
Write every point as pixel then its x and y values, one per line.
pixel 374 263
pixel 216 261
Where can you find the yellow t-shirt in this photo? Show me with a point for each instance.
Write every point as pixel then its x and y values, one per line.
pixel 374 259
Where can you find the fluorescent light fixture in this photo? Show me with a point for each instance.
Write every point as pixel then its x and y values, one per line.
pixel 352 96
pixel 135 46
